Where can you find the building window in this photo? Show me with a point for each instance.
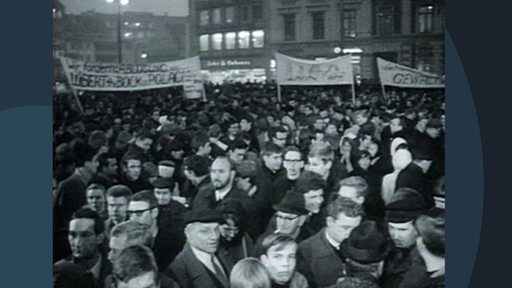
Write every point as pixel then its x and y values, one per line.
pixel 245 13
pixel 385 20
pixel 318 25
pixel 425 14
pixel 257 12
pixel 230 14
pixel 230 40
pixel 203 42
pixel 349 23
pixel 204 17
pixel 289 27
pixel 258 39
pixel 244 39
pixel 217 41
pixel 216 19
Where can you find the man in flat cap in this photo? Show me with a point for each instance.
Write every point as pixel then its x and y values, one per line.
pixel 289 218
pixel 319 257
pixel 198 265
pixel 402 210
pixel 365 249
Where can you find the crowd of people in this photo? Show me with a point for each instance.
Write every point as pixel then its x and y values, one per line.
pixel 242 190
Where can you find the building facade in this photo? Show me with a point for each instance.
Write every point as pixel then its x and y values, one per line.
pixel 409 32
pixel 144 37
pixel 231 38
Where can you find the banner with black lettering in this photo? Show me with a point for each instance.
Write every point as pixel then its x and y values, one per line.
pixel 295 71
pixel 393 74
pixel 128 77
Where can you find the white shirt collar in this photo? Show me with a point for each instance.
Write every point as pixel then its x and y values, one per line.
pixel 204 257
pixel 220 194
pixel 331 241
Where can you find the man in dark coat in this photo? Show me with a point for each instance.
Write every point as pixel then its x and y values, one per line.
pixel 86 236
pixel 319 257
pixel 143 208
pixel 196 169
pixel 293 163
pixel 70 196
pixel 199 265
pixel 401 212
pixel 132 175
pixel 414 175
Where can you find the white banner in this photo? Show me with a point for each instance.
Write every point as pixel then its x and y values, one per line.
pixel 394 74
pixel 127 77
pixel 295 71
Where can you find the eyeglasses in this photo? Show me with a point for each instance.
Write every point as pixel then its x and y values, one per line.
pixel 293 160
pixel 139 213
pixel 286 218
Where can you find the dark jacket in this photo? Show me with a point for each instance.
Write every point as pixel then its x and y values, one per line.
pixel 105 269
pixel 412 176
pixel 397 264
pixel 319 262
pixel 189 272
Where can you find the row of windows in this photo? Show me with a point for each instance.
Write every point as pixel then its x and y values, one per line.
pixel 230 15
pixel 232 40
pixel 385 22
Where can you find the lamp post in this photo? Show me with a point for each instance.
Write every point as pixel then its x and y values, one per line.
pixel 119 3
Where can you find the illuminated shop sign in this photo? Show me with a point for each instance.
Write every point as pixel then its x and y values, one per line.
pixel 228 63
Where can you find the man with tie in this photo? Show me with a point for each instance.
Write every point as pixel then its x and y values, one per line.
pixel 200 264
pixel 319 257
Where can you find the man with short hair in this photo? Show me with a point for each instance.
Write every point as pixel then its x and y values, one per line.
pixel 365 248
pixel 142 145
pixel 95 195
pixel 118 197
pixel 278 135
pixel 319 257
pixel 132 173
pixel 237 151
pixel 70 196
pixel 85 236
pixel 312 187
pixel 222 174
pixel 199 264
pixel 321 161
pixel 201 144
pixel 135 267
pixel 277 252
pixel 355 188
pixel 293 163
pixel 195 168
pixel 108 168
pixel 143 208
pixel 402 210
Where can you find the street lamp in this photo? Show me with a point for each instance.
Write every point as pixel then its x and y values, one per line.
pixel 119 3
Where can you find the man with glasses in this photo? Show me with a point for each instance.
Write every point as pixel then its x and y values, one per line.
pixel 319 257
pixel 85 237
pixel 293 164
pixel 198 264
pixel 143 208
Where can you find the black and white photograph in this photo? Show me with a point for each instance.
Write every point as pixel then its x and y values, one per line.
pixel 248 143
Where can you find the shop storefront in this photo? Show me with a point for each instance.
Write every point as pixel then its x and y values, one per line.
pixel 240 69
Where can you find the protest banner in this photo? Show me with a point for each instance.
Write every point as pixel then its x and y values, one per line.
pixel 295 71
pixel 393 74
pixel 130 77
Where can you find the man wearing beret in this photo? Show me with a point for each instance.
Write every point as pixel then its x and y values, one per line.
pixel 402 210
pixel 199 265
pixel 365 249
pixel 320 258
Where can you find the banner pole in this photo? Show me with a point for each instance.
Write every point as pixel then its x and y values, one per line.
pixel 278 92
pixel 383 91
pixel 77 100
pixel 353 86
